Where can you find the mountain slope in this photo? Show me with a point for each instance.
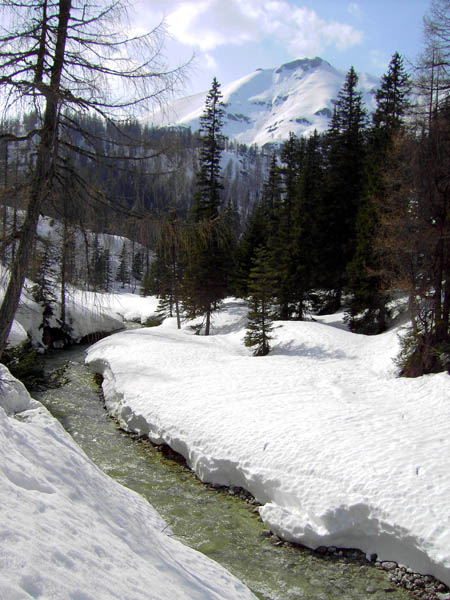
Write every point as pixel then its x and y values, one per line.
pixel 264 106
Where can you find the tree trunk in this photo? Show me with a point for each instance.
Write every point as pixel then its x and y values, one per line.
pixel 208 321
pixel 41 182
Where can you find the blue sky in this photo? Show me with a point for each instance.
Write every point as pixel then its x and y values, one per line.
pixel 231 38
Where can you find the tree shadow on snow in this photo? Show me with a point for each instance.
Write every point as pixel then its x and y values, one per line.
pixel 316 352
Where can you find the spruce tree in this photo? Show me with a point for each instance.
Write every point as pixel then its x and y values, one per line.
pixel 43 288
pixel 171 265
pixel 367 311
pixel 210 237
pixel 262 290
pixel 345 152
pixel 307 218
pixel 209 184
pixel 123 270
pixel 282 239
pixel 393 97
pixel 260 226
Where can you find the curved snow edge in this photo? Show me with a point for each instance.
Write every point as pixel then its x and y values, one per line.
pixel 362 525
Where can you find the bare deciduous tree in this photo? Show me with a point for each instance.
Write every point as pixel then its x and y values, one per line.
pixel 64 58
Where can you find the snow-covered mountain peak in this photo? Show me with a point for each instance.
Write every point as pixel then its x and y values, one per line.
pixel 266 105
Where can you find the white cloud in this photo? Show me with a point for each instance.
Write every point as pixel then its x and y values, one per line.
pixel 208 24
pixel 354 9
pixel 379 59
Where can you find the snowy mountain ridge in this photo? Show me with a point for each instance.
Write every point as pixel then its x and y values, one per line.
pixel 266 105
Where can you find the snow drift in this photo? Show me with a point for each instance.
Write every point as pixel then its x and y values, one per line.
pixel 69 531
pixel 337 449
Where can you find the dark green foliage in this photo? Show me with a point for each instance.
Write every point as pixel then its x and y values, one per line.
pixel 153 321
pixel 100 267
pixel 367 312
pixel 209 245
pixel 123 270
pixel 170 261
pixel 421 354
pixel 207 197
pixel 345 155
pixel 392 98
pixel 210 240
pixel 281 242
pixel 262 291
pixel 137 265
pixel 43 288
pixel 23 364
pixel 147 285
pixel 254 235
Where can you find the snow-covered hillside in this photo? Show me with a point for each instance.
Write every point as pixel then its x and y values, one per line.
pixel 338 450
pixel 266 105
pixel 69 531
pixel 87 311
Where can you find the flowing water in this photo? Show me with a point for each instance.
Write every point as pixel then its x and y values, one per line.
pixel 218 523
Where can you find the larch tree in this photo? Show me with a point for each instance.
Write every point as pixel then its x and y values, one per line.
pixel 65 58
pixel 414 235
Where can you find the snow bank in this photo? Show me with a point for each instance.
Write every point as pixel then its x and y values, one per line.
pixel 69 531
pixel 337 449
pixel 86 312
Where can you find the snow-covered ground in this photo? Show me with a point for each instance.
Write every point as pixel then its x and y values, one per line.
pixel 338 450
pixel 68 531
pixel 86 312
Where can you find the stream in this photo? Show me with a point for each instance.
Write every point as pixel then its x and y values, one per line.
pixel 218 523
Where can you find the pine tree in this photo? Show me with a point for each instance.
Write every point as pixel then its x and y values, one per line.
pixel 262 286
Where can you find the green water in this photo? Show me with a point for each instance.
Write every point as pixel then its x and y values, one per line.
pixel 221 525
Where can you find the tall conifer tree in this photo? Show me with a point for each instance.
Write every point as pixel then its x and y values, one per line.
pixel 210 237
pixel 209 185
pixel 344 184
pixel 367 311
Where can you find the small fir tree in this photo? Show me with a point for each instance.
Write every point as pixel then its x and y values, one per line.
pixel 123 271
pixel 169 257
pixel 262 282
pixel 43 288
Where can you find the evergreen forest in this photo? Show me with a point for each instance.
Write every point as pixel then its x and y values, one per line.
pixel 356 218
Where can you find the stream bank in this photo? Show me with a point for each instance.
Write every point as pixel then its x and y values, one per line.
pixel 216 522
